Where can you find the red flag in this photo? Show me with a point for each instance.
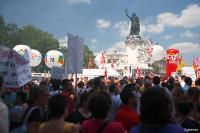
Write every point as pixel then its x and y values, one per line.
pixel 105 73
pixel 195 63
pixel 138 72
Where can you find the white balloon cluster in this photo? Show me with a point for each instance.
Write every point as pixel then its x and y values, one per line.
pixel 52 57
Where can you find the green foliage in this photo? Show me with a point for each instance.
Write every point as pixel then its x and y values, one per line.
pixel 87 55
pixel 11 35
pixel 2 30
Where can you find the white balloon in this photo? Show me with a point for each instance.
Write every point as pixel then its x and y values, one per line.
pixel 24 51
pixel 158 53
pixel 36 58
pixel 54 58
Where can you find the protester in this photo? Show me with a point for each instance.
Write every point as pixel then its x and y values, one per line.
pixel 68 91
pixel 184 108
pixel 177 93
pixel 156 81
pixel 55 87
pixel 58 111
pixel 170 83
pixel 156 112
pixel 38 100
pixel 99 106
pixel 127 113
pixel 147 83
pixel 83 112
pixel 188 83
pixel 116 102
pixel 97 85
pixel 90 85
pixel 18 110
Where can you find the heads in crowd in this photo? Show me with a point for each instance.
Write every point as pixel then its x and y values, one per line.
pixel 84 99
pixel 177 93
pixel 156 106
pixel 39 95
pixel 188 81
pixel 128 95
pixel 156 80
pixel 67 86
pixel 99 105
pixel 57 106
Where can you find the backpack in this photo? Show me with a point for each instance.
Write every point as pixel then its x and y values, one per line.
pixel 23 128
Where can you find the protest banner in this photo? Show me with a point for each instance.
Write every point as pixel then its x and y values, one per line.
pixel 74 54
pixel 57 72
pixel 172 61
pixel 14 68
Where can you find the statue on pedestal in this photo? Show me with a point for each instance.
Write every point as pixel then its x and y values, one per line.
pixel 135 24
pixel 136 47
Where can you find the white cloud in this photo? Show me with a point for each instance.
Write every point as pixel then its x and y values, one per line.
pixel 186 47
pixel 189 34
pixel 93 40
pixel 168 37
pixel 80 1
pixel 123 28
pixel 143 29
pixel 63 41
pixel 118 46
pixel 188 18
pixel 158 28
pixel 103 24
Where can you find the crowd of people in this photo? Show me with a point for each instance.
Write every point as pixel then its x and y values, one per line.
pixel 147 104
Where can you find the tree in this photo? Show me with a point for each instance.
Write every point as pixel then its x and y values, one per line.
pixel 40 40
pixel 87 55
pixel 11 35
pixel 2 30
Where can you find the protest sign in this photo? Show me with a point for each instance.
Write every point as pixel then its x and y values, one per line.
pixel 57 72
pixel 14 68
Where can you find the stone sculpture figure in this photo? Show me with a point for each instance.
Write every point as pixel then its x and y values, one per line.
pixel 135 24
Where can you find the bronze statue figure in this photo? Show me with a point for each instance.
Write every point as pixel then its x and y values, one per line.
pixel 135 24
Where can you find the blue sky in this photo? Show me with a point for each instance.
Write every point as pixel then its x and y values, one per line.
pixel 104 25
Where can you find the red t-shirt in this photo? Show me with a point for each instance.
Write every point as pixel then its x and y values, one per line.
pixel 128 117
pixel 70 103
pixel 91 126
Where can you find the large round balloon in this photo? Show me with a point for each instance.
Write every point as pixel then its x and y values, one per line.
pixel 24 51
pixel 54 58
pixel 36 58
pixel 158 53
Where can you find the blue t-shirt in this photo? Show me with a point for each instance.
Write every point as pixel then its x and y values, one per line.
pixel 167 128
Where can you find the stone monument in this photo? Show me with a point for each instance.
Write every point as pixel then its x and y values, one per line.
pixel 136 47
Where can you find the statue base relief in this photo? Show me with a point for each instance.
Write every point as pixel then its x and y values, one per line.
pixel 137 51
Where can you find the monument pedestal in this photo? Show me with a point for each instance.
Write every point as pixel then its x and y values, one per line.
pixel 137 51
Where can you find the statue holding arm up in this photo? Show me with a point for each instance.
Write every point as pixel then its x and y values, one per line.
pixel 135 24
